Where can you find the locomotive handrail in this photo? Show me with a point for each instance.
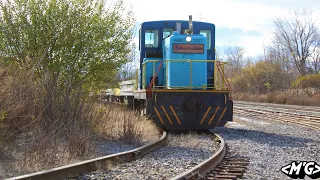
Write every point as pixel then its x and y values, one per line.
pixel 188 87
pixel 155 74
pixel 222 74
pixel 144 69
pixel 218 76
pixel 150 61
pixel 191 60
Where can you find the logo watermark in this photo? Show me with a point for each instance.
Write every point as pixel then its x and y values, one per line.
pixel 300 170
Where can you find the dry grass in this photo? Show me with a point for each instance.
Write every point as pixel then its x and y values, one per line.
pixel 116 122
pixel 288 97
pixel 43 127
pixel 190 140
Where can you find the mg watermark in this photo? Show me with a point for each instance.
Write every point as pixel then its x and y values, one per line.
pixel 301 169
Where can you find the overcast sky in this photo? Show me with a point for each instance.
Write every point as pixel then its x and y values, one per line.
pixel 247 23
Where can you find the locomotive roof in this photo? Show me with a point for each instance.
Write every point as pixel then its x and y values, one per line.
pixel 173 21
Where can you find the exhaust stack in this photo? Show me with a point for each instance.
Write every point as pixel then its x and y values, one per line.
pixel 178 27
pixel 190 25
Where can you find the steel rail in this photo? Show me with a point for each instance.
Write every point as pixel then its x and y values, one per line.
pixel 280 106
pixel 203 168
pixel 309 118
pixel 76 169
pixel 302 120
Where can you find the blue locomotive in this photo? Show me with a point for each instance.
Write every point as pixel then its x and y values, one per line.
pixel 180 85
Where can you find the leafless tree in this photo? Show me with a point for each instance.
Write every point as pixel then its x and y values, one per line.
pixel 127 71
pixel 248 61
pixel 278 54
pixel 219 54
pixel 298 35
pixel 234 55
pixel 314 60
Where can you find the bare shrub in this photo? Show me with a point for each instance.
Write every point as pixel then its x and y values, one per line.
pixel 41 127
pixel 310 84
pixel 288 97
pixel 262 77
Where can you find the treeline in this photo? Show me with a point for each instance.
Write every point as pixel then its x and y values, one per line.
pixel 290 66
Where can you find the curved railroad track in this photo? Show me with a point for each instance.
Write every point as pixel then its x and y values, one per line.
pixel 220 165
pixel 73 170
pixel 281 114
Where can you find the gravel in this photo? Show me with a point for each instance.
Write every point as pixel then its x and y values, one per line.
pixel 270 145
pixel 107 147
pixel 182 152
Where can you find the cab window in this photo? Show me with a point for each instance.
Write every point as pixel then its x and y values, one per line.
pixel 151 38
pixel 207 34
pixel 167 32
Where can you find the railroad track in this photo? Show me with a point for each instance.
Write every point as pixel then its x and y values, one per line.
pixel 280 106
pixel 221 165
pixel 73 170
pixel 309 121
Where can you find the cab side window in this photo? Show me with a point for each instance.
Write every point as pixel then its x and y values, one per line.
pixel 207 34
pixel 151 38
pixel 167 32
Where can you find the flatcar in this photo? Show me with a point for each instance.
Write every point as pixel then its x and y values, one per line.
pixel 180 84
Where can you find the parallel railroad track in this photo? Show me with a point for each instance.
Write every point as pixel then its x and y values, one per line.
pixel 280 106
pixel 309 121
